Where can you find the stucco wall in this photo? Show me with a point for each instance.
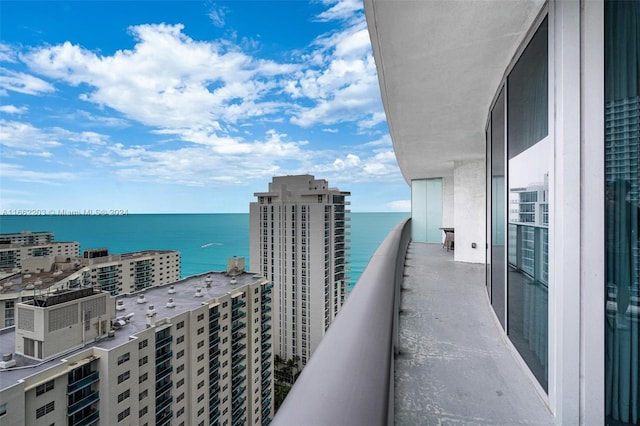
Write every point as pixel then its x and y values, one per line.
pixel 469 210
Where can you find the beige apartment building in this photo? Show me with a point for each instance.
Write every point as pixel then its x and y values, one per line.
pixel 299 241
pixel 196 352
pixel 32 262
pixel 130 272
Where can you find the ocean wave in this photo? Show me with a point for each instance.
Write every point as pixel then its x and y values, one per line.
pixel 210 244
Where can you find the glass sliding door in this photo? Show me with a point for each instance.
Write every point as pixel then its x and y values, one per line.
pixel 426 210
pixel 498 210
pixel 529 154
pixel 622 200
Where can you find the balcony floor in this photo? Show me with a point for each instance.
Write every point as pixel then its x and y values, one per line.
pixel 454 367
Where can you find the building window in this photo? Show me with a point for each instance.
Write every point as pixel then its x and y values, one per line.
pixel 45 409
pixel 124 414
pixel 180 354
pixel 143 395
pixel 124 376
pixel 144 411
pixel 179 340
pixel 622 214
pixel 528 165
pixel 124 395
pixel 180 325
pixel 123 358
pixel 142 361
pixel 200 317
pixel 143 344
pixel 142 378
pixel 45 387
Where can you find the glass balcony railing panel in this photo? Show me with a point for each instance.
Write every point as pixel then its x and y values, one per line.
pixel 86 381
pixel 86 421
pixel 165 356
pixel 83 403
pixel 163 342
pixel 163 403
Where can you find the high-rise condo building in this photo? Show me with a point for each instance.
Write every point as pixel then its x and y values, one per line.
pixel 298 241
pixel 195 352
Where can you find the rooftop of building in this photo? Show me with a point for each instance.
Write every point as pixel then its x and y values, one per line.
pixel 7 245
pixel 14 282
pixel 116 257
pixel 24 233
pixel 212 285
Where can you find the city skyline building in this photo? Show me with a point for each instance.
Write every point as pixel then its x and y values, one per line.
pixel 299 242
pixel 33 263
pixel 195 352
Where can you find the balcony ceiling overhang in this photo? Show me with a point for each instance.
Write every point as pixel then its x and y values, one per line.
pixel 439 65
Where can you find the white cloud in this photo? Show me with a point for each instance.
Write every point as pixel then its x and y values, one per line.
pixel 168 80
pixel 18 173
pixel 229 161
pixel 23 83
pixel 24 136
pixel 216 14
pixel 7 54
pixel 340 10
pixel 400 205
pixel 12 109
pixel 343 83
pixel 99 119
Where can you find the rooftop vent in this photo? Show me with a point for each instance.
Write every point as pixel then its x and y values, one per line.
pixel 199 292
pixel 233 280
pixel 208 281
pixel 171 303
pixel 151 311
pixel 29 286
pixel 141 298
pixel 7 361
pixel 120 305
pixel 172 289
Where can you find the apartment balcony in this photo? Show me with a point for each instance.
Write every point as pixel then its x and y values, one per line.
pixel 83 403
pixel 81 383
pixel 417 344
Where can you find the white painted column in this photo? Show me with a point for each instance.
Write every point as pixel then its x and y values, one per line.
pixel 592 316
pixel 469 202
pixel 565 213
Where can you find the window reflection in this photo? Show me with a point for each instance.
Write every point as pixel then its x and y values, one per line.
pixel 622 212
pixel 529 152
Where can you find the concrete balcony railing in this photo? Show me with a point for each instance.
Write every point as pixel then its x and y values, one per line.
pixel 349 378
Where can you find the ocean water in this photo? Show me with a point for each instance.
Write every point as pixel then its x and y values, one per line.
pixel 205 241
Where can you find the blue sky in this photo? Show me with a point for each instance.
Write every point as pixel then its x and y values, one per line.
pixel 188 106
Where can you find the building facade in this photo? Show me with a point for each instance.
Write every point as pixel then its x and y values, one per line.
pixel 130 272
pixel 299 241
pixel 197 352
pixel 551 93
